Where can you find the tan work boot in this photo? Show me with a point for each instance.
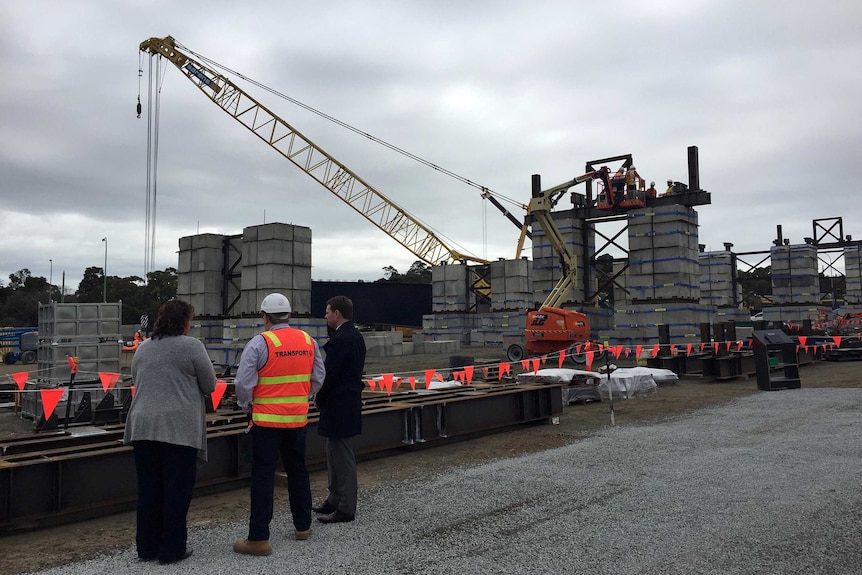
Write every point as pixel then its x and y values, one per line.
pixel 247 547
pixel 303 535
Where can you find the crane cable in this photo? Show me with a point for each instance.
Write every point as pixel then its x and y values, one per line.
pixel 355 130
pixel 151 192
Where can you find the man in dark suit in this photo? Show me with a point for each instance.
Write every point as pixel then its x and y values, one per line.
pixel 340 404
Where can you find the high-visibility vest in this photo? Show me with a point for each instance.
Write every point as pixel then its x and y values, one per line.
pixel 280 398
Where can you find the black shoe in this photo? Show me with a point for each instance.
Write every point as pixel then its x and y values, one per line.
pixel 325 508
pixel 185 555
pixel 337 517
pixel 147 558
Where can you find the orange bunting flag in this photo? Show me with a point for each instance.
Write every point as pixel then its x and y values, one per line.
pixel 728 345
pixel 655 349
pixel 20 379
pixel 702 345
pixel 504 368
pixel 562 358
pixel 688 349
pixel 628 351
pixel 638 350
pixel 535 366
pixel 587 346
pixel 485 373
pixel 132 388
pixel 544 359
pixel 429 377
pixel 590 356
pixel 457 375
pixel 50 399
pixel 109 380
pixel 802 340
pixel 578 349
pixel 618 351
pixel 837 340
pixel 218 393
pixel 468 373
pixel 739 345
pixel 371 384
pixel 525 363
pixel 672 349
pixel 715 347
pixel 73 364
pixel 387 382
pixel 412 380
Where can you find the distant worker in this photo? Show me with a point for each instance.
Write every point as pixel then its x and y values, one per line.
pixel 632 181
pixel 340 404
pixel 618 185
pixel 669 191
pixel 278 371
pixel 651 191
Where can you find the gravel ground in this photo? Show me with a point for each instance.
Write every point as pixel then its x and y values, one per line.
pixel 768 484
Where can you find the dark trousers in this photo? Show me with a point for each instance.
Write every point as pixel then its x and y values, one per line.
pixel 267 444
pixel 166 478
pixel 341 471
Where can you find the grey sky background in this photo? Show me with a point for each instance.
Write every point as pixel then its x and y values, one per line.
pixel 492 90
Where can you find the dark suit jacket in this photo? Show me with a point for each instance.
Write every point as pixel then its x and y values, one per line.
pixel 340 398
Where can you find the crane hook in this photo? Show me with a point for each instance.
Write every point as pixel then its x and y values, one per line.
pixel 139 107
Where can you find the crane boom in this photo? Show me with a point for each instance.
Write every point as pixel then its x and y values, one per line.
pixel 309 157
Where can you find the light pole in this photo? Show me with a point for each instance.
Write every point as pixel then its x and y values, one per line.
pixel 50 281
pixel 105 273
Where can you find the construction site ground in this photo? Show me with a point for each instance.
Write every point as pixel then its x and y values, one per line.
pixel 33 549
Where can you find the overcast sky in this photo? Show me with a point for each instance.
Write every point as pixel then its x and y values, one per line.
pixel 493 90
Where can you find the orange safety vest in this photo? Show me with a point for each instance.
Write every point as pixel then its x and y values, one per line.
pixel 280 398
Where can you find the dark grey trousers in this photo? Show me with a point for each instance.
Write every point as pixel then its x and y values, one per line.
pixel 341 468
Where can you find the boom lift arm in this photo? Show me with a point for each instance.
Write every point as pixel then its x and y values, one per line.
pixel 540 208
pixel 308 157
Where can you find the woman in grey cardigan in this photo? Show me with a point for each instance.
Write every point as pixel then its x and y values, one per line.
pixel 166 426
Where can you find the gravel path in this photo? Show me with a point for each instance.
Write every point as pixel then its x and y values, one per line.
pixel 768 484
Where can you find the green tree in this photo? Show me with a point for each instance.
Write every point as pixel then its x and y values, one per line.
pixel 91 287
pixel 419 272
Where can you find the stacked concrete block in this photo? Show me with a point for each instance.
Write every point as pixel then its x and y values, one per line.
pixel 276 258
pixel 200 275
pixel 225 339
pixel 547 270
pixel 795 279
pixel 663 254
pixel 491 328
pixel 601 319
pixel 446 326
pixel 853 275
pixel 511 285
pixel 384 343
pixel 88 331
pixel 794 313
pixel 621 293
pixel 450 288
pixel 637 324
pixel 716 279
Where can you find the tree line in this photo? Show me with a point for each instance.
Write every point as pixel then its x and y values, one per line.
pixel 21 296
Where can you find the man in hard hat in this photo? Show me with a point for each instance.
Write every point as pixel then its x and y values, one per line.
pixel 340 404
pixel 278 371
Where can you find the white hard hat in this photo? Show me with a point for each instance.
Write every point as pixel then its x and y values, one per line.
pixel 275 303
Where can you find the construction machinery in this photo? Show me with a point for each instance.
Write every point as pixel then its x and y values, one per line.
pixel 552 328
pixel 26 344
pixel 309 157
pixel 848 324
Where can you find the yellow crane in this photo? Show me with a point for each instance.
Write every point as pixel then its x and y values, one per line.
pixel 309 157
